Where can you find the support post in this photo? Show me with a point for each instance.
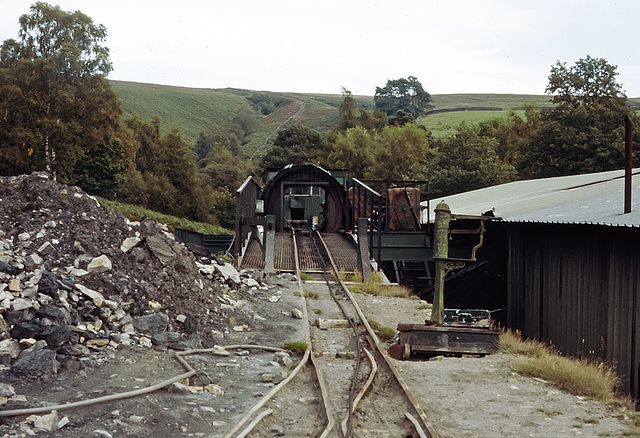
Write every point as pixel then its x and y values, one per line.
pixel 628 128
pixel 440 254
pixel 270 243
pixel 363 250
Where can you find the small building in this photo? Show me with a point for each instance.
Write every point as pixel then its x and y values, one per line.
pixel 563 265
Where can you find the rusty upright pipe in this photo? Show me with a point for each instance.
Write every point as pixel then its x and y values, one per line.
pixel 628 130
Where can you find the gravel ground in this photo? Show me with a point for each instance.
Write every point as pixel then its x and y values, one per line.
pixel 462 397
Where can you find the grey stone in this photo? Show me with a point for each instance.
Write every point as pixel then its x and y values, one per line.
pixel 41 363
pixel 21 304
pixel 100 264
pixel 129 243
pixel 283 358
pixel 9 269
pixel 178 388
pixel 96 297
pixel 48 284
pixel 164 338
pixel 153 323
pixel 46 423
pixel 55 335
pixel 266 378
pixel 297 313
pixel 6 390
pixel 228 272
pixel 33 260
pixel 46 248
pixel 160 248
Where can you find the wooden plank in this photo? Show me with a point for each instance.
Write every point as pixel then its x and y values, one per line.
pixel 456 340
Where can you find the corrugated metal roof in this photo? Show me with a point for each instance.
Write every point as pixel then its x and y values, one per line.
pixel 595 198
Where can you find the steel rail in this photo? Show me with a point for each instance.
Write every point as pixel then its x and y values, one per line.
pixel 413 401
pixel 306 358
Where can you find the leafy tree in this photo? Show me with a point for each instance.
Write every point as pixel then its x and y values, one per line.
pixel 296 144
pixel 57 108
pixel 352 150
pixel 571 141
pixel 467 161
pixel 400 153
pixel 165 177
pixel 351 115
pixel 512 133
pixel 402 94
pixel 590 81
pixel 585 132
pixel 208 142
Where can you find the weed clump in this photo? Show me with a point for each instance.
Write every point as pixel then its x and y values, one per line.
pixel 295 346
pixel 577 376
pixel 384 333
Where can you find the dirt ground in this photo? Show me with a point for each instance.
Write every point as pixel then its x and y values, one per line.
pixel 479 397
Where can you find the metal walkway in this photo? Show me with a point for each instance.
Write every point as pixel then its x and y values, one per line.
pixel 343 252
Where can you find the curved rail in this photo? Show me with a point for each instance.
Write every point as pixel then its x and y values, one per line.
pixel 421 424
pixel 413 401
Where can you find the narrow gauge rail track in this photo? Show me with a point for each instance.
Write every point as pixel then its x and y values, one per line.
pixel 348 386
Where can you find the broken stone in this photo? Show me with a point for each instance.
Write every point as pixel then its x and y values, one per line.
pixel 164 338
pixel 55 335
pixel 37 363
pixel 8 269
pixel 48 284
pixel 283 358
pixel 154 323
pixel 46 248
pixel 96 297
pixel 14 285
pixel 297 313
pixel 33 260
pixel 228 273
pixel 178 388
pixel 267 378
pixel 251 282
pixel 21 304
pixel 129 243
pixel 100 264
pixel 46 423
pixel 6 390
pixel 160 248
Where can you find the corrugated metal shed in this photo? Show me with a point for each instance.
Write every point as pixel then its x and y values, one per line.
pixel 596 198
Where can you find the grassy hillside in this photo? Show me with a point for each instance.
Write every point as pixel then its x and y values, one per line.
pixel 190 110
pixel 195 110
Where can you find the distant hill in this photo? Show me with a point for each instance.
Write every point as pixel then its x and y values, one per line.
pixel 195 110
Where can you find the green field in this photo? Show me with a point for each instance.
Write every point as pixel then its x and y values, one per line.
pixel 445 124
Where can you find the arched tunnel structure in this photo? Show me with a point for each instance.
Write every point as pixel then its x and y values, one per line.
pixel 300 193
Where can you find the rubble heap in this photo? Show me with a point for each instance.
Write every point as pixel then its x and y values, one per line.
pixel 76 277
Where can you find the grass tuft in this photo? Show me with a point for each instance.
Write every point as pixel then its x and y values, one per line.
pixel 383 290
pixel 295 346
pixel 577 376
pixel 384 333
pixel 305 277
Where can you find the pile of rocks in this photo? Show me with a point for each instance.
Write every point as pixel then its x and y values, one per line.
pixel 77 278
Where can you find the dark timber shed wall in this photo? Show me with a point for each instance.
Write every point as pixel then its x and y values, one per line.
pixel 578 287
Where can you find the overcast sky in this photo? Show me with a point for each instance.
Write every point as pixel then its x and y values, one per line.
pixel 451 46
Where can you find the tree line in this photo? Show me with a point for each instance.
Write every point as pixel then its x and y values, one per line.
pixel 58 113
